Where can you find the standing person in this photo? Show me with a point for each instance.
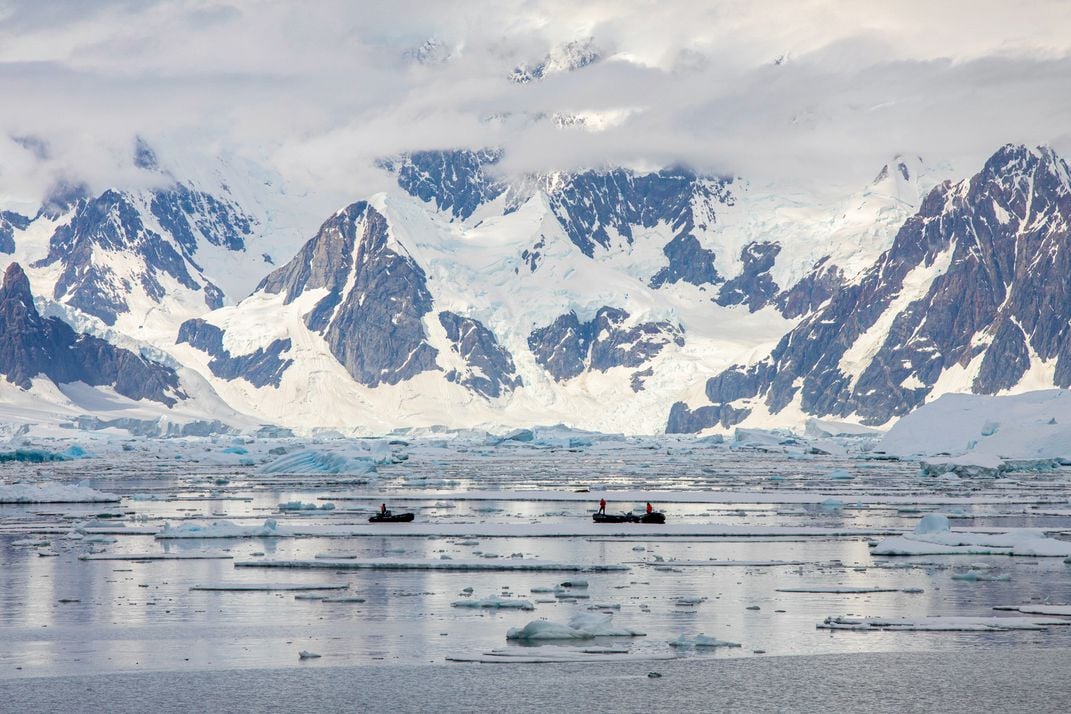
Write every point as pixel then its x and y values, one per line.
pixel 602 506
pixel 382 509
pixel 650 508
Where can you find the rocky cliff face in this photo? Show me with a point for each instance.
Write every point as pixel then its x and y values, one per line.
pixel 371 313
pixel 32 346
pixel 490 370
pixel 973 295
pixel 568 347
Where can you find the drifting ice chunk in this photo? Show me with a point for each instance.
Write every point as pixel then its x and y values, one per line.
pixel 933 523
pixel 700 640
pixel 552 653
pixel 496 602
pixel 1060 610
pixel 319 462
pixel 223 529
pixel 837 589
pixel 932 537
pixel 53 493
pixel 974 576
pixel 268 587
pixel 498 565
pixel 582 626
pixel 940 624
pixel 299 506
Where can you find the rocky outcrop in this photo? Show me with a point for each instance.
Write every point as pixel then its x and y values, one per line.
pixel 568 347
pixel 753 287
pixel 812 291
pixel 490 369
pixel 9 223
pixel 32 346
pixel 261 368
pixel 194 216
pixel 455 181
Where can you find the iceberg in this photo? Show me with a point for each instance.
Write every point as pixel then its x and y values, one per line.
pixel 582 626
pixel 320 462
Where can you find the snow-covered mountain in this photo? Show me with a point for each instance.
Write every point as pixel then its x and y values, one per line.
pixel 608 299
pixel 973 296
pixel 465 300
pixel 54 375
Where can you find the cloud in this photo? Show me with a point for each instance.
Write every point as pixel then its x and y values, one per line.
pixel 811 91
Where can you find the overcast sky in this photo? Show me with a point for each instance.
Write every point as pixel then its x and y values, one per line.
pixel 810 90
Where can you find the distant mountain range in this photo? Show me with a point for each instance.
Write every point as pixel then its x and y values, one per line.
pixel 606 299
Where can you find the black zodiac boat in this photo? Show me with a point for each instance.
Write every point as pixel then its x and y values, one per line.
pixel 389 517
pixel 655 517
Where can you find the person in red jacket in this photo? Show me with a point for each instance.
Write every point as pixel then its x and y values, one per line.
pixel 602 506
pixel 382 509
pixel 650 508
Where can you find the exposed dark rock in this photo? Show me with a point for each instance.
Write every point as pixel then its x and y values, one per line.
pixel 590 204
pixel 561 347
pixel 636 383
pixel 260 368
pixel 491 370
pixel 567 347
pixel 144 156
pixel 683 420
pixel 454 180
pixel 754 286
pixel 533 256
pixel 375 330
pixel 812 291
pixel 378 333
pixel 185 213
pixel 9 223
pixel 32 346
pixel 689 262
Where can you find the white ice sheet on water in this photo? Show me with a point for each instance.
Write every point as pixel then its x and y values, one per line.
pixel 940 624
pixel 933 536
pixel 490 565
pixel 53 493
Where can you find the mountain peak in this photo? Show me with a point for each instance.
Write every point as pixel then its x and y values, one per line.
pixel 16 284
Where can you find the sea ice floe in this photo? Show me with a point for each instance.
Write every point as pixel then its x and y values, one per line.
pixel 699 641
pixel 933 537
pixel 53 493
pixel 495 602
pixel 1039 609
pixel 549 654
pixel 940 624
pixel 299 506
pixel 223 529
pixel 582 626
pixel 975 576
pixel 838 589
pixel 494 565
pixel 267 587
